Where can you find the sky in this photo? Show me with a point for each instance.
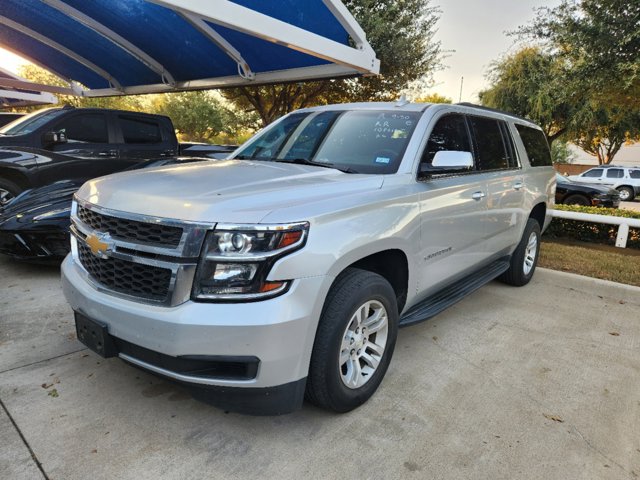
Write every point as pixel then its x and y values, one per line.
pixel 476 31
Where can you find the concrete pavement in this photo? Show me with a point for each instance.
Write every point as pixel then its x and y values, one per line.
pixel 540 382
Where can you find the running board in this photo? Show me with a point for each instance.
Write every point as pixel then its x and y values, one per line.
pixel 453 293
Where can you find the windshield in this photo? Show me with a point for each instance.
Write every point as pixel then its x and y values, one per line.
pixel 352 141
pixel 30 123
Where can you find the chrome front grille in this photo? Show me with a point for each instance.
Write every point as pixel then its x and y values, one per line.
pixel 131 230
pixel 141 258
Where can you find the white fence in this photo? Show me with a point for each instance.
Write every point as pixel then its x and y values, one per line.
pixel 623 223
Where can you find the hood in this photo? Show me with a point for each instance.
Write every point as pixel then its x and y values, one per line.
pixel 42 206
pixel 590 187
pixel 231 191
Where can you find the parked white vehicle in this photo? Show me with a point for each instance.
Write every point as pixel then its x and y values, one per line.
pixel 286 270
pixel 624 179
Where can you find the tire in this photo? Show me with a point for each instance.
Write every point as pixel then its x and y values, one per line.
pixel 626 194
pixel 8 191
pixel 577 200
pixel 525 258
pixel 340 374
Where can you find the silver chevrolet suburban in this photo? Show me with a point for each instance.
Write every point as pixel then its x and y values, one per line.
pixel 284 272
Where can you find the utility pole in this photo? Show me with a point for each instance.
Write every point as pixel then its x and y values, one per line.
pixel 461 84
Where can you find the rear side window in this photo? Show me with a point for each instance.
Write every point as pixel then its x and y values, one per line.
pixel 634 173
pixel 615 173
pixel 85 128
pixel 135 130
pixel 535 143
pixel 450 133
pixel 595 173
pixel 491 151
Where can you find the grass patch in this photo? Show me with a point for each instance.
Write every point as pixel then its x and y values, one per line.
pixel 607 263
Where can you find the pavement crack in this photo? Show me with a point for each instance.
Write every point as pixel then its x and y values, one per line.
pixel 41 361
pixel 598 451
pixel 509 385
pixel 24 440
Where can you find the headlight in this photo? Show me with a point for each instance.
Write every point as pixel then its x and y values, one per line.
pixel 236 261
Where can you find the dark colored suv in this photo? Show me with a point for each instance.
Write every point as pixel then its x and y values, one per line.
pixel 78 144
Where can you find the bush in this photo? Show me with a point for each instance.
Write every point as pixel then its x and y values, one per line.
pixel 593 232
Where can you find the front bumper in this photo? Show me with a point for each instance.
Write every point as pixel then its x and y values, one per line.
pixel 605 202
pixel 34 244
pixel 279 332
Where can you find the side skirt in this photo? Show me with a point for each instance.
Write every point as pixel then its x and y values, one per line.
pixel 453 293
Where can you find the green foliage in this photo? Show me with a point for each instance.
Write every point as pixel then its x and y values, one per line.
pixel 535 85
pixel 561 153
pixel 401 33
pixel 196 116
pixel 39 75
pixel 599 40
pixel 593 232
pixel 433 98
pixel 605 128
pixel 582 79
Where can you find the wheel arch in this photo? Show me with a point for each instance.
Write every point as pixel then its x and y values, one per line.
pixel 16 177
pixel 539 214
pixel 392 265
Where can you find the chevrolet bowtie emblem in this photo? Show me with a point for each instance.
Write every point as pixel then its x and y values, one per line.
pixel 100 244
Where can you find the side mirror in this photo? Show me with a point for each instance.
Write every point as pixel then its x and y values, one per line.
pixel 54 138
pixel 448 161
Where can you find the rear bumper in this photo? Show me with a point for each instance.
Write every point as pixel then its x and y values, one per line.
pixel 278 332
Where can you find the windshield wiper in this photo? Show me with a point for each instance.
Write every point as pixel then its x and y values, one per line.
pixel 304 161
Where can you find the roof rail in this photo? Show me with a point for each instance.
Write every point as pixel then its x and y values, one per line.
pixel 495 110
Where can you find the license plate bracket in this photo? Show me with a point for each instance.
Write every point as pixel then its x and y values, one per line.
pixel 95 335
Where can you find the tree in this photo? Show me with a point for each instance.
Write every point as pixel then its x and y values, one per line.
pixel 597 45
pixel 535 85
pixel 433 98
pixel 607 128
pixel 401 33
pixel 600 42
pixel 40 75
pixel 196 116
pixel 561 153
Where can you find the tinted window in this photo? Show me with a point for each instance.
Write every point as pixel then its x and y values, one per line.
pixel 31 122
pixel 135 130
pixel 595 173
pixel 615 173
pixel 634 173
pixel 536 146
pixel 85 128
pixel 490 153
pixel 450 133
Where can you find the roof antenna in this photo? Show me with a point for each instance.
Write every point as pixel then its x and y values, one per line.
pixel 402 101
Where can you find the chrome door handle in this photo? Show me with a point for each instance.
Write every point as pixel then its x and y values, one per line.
pixel 518 185
pixel 478 195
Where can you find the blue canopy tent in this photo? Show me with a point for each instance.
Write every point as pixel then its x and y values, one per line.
pixel 120 47
pixel 19 97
